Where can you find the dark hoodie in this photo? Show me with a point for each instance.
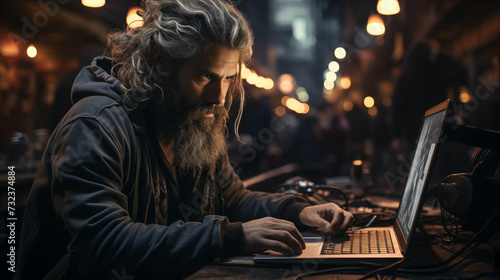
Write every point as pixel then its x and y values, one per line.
pixel 105 203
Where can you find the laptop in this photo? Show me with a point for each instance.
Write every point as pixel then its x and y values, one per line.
pixel 380 245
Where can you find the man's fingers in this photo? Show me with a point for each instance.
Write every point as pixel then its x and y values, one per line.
pixel 337 219
pixel 291 229
pixel 328 217
pixel 288 240
pixel 343 223
pixel 280 248
pixel 346 223
pixel 298 237
pixel 320 222
pixel 272 234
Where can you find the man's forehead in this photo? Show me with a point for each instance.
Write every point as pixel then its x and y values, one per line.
pixel 217 58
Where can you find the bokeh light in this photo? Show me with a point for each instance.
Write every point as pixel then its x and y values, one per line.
pixel 345 82
pixel 133 19
pixel 464 96
pixel 31 51
pixel 388 7
pixel 340 53
pixel 328 84
pixel 93 3
pixel 334 66
pixel 280 111
pixel 369 102
pixel 348 106
pixel 373 111
pixel 375 25
pixel 286 83
pixel 331 76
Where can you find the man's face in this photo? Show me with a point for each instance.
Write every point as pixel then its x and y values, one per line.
pixel 207 80
pixel 193 115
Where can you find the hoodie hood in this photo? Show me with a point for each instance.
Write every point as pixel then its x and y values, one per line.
pixel 96 79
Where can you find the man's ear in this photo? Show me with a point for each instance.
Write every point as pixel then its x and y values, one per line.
pixel 160 61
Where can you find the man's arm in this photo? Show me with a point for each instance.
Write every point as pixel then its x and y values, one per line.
pixel 244 205
pixel 278 234
pixel 86 188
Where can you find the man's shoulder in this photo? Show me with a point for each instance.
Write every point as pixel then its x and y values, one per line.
pixel 94 104
pixel 101 109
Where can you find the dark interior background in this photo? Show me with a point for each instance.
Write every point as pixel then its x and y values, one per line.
pixel 297 37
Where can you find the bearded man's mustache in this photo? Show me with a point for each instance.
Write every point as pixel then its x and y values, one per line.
pixel 201 110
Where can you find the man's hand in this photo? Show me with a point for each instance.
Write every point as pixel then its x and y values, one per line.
pixel 272 234
pixel 328 217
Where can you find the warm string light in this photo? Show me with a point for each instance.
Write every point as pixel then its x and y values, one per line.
pixel 93 3
pixel 286 83
pixel 340 53
pixel 369 102
pixel 345 82
pixel 375 25
pixel 328 85
pixel 333 66
pixel 295 105
pixel 133 19
pixel 464 96
pixel 252 78
pixel 31 51
pixel 388 7
pixel 302 94
pixel 331 76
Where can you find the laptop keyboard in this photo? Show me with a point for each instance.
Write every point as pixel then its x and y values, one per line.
pixel 359 242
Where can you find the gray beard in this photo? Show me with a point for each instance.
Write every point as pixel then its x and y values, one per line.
pixel 199 142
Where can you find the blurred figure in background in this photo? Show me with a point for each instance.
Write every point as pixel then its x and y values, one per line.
pixel 321 144
pixel 489 88
pixel 428 78
pixel 360 122
pixel 332 131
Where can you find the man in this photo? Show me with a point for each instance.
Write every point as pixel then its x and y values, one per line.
pixel 136 180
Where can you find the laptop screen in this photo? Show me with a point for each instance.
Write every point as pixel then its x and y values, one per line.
pixel 420 167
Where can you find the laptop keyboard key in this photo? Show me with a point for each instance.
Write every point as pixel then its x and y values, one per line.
pixel 359 242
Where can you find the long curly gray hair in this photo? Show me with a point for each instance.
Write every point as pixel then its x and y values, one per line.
pixel 183 29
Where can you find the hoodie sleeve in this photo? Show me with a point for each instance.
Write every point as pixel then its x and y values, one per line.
pixel 87 178
pixel 244 205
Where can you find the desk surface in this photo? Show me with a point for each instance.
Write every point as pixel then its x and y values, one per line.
pixel 429 248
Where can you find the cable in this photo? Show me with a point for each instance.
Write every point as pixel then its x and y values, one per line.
pixel 440 268
pixel 329 270
pixel 427 269
pixel 371 221
pixel 378 270
pixel 420 269
pixel 307 187
pixel 331 188
pixel 453 236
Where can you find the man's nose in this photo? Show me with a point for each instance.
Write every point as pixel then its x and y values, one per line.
pixel 217 93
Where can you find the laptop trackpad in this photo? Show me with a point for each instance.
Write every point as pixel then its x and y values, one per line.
pixel 312 245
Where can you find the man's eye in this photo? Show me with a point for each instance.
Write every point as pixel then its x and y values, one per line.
pixel 230 79
pixel 206 77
